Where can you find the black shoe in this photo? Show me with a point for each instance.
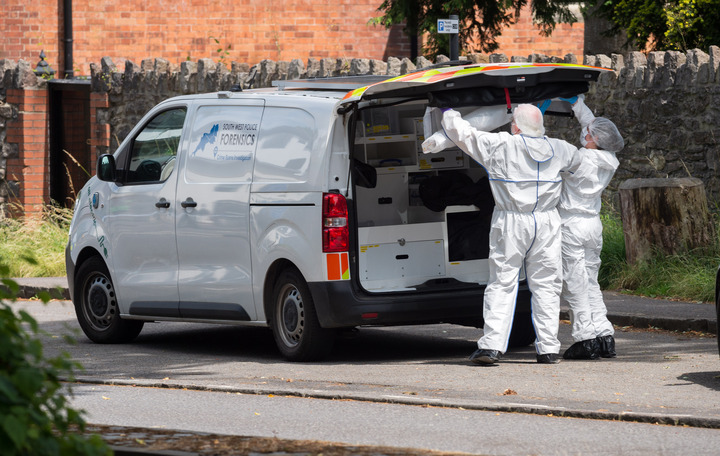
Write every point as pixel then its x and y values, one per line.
pixel 607 346
pixel 485 357
pixel 585 349
pixel 548 358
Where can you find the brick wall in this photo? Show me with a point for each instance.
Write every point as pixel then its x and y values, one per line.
pixel 178 30
pixel 523 38
pixel 29 131
pixel 29 27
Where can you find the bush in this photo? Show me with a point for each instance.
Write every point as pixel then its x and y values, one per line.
pixel 35 416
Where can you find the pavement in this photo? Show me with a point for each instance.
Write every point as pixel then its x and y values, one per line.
pixel 623 309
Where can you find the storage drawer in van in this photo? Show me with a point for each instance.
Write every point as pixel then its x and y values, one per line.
pixel 398 257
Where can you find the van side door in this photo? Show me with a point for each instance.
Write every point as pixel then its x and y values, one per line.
pixel 140 216
pixel 213 195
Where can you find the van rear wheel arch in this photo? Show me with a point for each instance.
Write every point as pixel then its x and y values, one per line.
pixel 270 277
pixel 291 314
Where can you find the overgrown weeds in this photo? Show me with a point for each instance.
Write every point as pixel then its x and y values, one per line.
pixel 36 248
pixel 689 276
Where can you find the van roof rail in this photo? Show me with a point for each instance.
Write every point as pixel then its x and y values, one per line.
pixel 332 83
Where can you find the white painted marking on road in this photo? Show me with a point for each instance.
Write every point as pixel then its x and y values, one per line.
pixel 413 398
pixel 517 404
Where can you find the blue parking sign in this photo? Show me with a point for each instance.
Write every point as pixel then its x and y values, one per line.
pixel 447 26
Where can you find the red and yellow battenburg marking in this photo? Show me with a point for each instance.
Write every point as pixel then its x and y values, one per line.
pixel 338 267
pixel 439 74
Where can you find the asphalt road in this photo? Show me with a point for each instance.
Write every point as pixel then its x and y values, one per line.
pixel 403 387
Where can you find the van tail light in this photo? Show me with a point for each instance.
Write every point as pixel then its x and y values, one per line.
pixel 335 223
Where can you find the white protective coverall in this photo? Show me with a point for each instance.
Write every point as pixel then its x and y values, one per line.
pixel 579 209
pixel 524 173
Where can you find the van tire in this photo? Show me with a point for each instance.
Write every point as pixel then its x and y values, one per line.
pixel 96 306
pixel 294 321
pixel 522 333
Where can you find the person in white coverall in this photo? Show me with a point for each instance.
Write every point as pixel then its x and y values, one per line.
pixel 579 209
pixel 524 171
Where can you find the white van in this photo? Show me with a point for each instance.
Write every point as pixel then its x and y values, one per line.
pixel 308 208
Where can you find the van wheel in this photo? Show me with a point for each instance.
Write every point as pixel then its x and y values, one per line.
pixel 96 306
pixel 523 331
pixel 295 325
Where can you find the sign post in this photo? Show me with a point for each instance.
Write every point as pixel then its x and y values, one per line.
pixel 451 26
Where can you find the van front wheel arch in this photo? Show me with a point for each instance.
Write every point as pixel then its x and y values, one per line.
pixel 294 321
pixel 96 305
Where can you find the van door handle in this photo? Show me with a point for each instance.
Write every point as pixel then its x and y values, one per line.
pixel 163 203
pixel 188 203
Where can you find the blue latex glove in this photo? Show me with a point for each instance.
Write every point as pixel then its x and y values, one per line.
pixel 446 109
pixel 544 105
pixel 572 100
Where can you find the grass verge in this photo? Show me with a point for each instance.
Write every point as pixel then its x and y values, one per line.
pixel 687 277
pixel 36 248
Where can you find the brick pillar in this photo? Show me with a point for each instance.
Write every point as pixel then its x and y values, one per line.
pixel 99 132
pixel 30 169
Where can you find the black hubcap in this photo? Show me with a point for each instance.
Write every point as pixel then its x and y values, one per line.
pixel 98 302
pixel 290 315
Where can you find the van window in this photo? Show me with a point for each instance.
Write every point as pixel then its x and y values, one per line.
pixel 154 149
pixel 223 143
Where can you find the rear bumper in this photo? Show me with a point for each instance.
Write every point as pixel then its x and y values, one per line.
pixel 340 304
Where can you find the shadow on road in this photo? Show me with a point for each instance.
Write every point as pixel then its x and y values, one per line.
pixel 164 349
pixel 709 380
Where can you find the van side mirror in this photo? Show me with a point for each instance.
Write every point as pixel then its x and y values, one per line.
pixel 106 168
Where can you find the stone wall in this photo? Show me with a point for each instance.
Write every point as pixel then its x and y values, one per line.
pixel 7 112
pixel 667 107
pixel 666 104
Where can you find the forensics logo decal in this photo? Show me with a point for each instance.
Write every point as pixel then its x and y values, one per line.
pixel 228 141
pixel 207 138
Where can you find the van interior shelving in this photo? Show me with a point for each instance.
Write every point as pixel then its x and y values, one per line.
pixel 418 226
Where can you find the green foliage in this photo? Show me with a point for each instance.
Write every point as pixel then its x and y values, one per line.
pixel 613 251
pixel 690 276
pixel 483 20
pixel 35 416
pixel 222 52
pixel 693 24
pixel 658 25
pixel 24 240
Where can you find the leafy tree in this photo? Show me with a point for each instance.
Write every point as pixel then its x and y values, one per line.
pixel 35 417
pixel 693 24
pixel 482 21
pixel 663 25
